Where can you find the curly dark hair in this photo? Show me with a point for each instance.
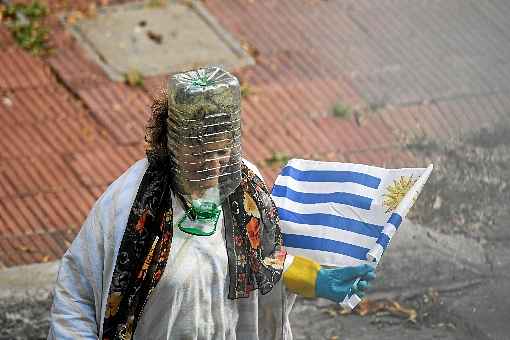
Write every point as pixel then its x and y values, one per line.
pixel 156 147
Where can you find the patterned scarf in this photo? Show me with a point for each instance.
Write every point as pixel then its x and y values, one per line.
pixel 253 240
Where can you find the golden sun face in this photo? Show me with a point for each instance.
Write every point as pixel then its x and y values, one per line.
pixel 396 191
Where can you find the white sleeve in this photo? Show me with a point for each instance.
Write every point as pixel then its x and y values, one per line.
pixel 77 290
pixel 274 311
pixel 288 262
pixel 85 273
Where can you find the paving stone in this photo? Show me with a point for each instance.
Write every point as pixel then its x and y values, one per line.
pixel 158 40
pixel 21 70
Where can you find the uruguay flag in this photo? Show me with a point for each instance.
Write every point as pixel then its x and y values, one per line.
pixel 343 214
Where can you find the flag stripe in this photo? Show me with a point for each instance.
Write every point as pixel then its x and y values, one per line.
pixel 332 221
pixel 332 176
pixel 315 243
pixel 326 258
pixel 325 187
pixel 395 219
pixel 384 240
pixel 372 216
pixel 341 235
pixel 312 198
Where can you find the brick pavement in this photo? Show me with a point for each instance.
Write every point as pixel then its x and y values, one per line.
pixel 407 68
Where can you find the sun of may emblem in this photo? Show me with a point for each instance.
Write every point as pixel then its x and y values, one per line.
pixel 396 191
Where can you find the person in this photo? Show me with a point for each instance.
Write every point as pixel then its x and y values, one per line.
pixel 186 243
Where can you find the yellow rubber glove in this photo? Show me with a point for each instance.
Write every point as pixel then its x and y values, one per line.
pixel 301 276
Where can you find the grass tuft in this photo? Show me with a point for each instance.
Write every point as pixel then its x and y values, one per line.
pixel 342 111
pixel 25 21
pixel 278 159
pixel 134 78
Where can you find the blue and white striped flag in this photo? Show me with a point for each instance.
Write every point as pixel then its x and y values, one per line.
pixel 343 214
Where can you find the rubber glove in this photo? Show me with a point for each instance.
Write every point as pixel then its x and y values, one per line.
pixel 307 278
pixel 337 283
pixel 301 276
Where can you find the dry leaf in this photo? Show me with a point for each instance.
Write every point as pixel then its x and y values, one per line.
pixel 331 312
pixel 87 132
pixel 7 101
pixel 188 3
pixel 74 17
pixel 24 248
pixel 2 10
pixel 156 37
pixel 367 307
pixel 398 310
pixel 92 10
pixel 250 49
pixel 345 311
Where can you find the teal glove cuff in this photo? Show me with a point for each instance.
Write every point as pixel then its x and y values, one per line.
pixel 337 283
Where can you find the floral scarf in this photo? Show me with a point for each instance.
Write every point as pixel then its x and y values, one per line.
pixel 253 240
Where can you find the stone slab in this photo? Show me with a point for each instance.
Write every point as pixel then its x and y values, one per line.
pixel 157 40
pixel 28 281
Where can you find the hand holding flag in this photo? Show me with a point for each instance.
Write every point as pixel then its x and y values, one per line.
pixel 338 283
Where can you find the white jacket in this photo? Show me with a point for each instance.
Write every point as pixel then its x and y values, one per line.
pixel 86 270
